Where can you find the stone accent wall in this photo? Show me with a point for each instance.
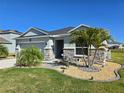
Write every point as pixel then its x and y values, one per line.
pixel 48 54
pixel 68 55
pixel 100 55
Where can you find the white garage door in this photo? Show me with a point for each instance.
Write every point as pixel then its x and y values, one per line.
pixel 38 45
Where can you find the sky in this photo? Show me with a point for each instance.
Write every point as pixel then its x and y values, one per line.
pixel 55 14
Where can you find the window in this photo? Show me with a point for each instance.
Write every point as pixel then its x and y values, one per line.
pixel 79 51
pixel 30 39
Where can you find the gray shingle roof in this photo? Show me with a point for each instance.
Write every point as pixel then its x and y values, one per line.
pixel 10 31
pixel 61 31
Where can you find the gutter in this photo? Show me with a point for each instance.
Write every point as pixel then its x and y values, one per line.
pixel 60 35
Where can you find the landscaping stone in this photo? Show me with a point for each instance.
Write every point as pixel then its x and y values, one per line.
pixel 104 74
pixel 90 69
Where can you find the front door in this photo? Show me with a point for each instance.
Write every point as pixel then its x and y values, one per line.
pixel 59 44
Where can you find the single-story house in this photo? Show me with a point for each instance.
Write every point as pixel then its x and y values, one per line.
pixel 54 44
pixel 7 39
pixel 116 45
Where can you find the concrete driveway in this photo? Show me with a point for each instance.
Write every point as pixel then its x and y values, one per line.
pixel 7 63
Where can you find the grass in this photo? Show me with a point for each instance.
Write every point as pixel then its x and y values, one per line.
pixel 118 57
pixel 37 80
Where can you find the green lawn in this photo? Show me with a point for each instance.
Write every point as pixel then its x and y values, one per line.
pixel 37 80
pixel 118 57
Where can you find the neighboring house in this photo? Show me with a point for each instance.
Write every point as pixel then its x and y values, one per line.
pixel 116 45
pixel 7 39
pixel 4 41
pixel 54 44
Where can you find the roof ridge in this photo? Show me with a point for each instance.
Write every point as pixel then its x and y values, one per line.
pixel 10 31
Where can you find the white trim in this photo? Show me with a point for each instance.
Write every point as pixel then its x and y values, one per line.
pixel 69 48
pixel 48 48
pixel 61 35
pixel 77 54
pixel 31 42
pixel 78 27
pixel 28 30
pixel 33 37
pixel 40 30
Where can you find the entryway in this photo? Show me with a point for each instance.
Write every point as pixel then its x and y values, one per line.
pixel 59 44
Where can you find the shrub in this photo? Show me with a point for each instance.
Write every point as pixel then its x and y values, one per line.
pixel 3 51
pixel 31 56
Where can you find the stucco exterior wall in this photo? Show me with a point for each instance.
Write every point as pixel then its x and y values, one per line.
pixel 10 37
pixel 44 44
pixel 48 47
pixel 67 44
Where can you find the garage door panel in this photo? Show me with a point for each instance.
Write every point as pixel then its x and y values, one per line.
pixel 38 45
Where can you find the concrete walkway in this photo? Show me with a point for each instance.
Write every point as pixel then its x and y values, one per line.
pixel 7 63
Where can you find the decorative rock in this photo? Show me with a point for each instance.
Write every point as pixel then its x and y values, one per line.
pixel 90 69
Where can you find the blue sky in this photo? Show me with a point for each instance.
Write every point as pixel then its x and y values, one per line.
pixel 55 14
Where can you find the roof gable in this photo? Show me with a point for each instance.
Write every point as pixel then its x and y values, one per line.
pixel 34 32
pixel 80 27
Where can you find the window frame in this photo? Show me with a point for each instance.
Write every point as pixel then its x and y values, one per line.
pixel 79 55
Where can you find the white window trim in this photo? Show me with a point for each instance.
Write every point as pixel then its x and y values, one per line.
pixel 76 55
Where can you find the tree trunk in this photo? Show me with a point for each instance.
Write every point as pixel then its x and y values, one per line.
pixel 94 56
pixel 84 58
pixel 89 52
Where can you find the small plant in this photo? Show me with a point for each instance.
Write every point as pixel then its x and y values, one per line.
pixel 31 56
pixel 3 51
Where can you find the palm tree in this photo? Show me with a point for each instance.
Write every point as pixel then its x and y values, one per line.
pixel 90 37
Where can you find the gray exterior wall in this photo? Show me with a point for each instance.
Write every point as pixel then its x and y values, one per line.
pixel 27 42
pixel 50 50
pixel 41 43
pixel 67 44
pixel 10 37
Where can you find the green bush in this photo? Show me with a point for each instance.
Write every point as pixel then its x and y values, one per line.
pixel 31 56
pixel 3 51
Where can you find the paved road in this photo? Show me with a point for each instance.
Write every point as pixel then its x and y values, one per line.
pixel 6 63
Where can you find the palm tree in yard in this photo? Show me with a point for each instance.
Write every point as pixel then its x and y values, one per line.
pixel 90 37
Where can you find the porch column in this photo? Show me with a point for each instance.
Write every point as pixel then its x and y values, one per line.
pixel 105 56
pixel 18 50
pixel 48 51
